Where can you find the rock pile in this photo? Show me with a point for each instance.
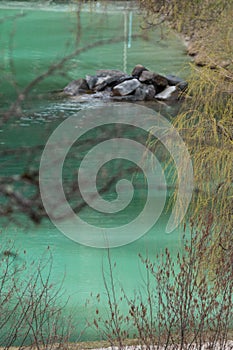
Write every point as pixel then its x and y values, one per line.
pixel 141 85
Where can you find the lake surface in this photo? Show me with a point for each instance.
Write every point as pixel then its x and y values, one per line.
pixel 33 37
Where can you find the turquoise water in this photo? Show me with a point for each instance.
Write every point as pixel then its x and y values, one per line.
pixel 31 39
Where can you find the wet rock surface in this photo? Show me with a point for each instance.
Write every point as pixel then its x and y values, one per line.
pixel 141 85
pixel 126 88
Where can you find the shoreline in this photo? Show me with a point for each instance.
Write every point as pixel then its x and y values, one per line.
pixel 202 56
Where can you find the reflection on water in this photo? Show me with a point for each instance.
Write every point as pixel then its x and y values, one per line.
pixel 32 37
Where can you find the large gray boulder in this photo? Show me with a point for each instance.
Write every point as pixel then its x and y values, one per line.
pixel 126 88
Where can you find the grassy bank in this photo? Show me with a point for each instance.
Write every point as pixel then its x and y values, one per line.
pixel 205 119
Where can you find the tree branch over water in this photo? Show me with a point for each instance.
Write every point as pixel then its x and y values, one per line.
pixel 29 202
pixel 20 192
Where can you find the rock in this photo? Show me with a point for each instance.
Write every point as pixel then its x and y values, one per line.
pixel 146 77
pixel 126 88
pixel 203 60
pixel 91 81
pixel 144 92
pixel 142 85
pixel 104 95
pixel 101 83
pixel 171 92
pixel 173 80
pixel 76 86
pixel 150 92
pixel 105 78
pixel 157 80
pixel 138 69
pixel 140 93
pixel 110 81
